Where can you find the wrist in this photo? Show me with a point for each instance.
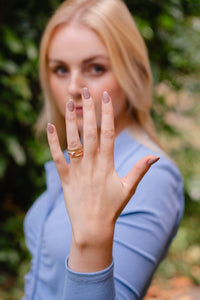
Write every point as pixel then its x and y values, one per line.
pixel 88 255
pixel 95 234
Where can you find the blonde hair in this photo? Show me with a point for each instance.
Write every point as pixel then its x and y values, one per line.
pixel 112 21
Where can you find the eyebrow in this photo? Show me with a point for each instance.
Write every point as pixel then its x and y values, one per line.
pixel 86 61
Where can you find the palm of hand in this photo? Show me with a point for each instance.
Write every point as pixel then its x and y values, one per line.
pixel 94 194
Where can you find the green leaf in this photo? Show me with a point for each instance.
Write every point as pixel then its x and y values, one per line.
pixel 16 151
pixel 19 84
pixel 13 42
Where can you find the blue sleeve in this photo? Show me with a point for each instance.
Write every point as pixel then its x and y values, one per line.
pixel 143 233
pixel 86 286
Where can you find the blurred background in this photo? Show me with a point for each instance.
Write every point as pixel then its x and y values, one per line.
pixel 171 29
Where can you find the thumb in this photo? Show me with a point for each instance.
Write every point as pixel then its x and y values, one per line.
pixel 133 178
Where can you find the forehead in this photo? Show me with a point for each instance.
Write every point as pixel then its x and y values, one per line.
pixel 75 42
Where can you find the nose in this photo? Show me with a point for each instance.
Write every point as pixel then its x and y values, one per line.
pixel 75 86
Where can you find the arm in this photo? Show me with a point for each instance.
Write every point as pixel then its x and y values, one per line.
pixel 143 233
pixel 145 229
pixel 101 195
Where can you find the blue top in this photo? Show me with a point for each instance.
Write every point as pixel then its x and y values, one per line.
pixel 143 233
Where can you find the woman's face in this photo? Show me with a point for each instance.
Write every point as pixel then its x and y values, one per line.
pixel 77 58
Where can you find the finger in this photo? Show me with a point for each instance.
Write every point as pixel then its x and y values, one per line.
pixel 107 129
pixel 56 152
pixel 89 125
pixel 133 178
pixel 73 139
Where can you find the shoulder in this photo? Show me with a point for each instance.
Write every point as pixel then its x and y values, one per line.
pixel 128 151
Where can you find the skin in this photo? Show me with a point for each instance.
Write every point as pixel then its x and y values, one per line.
pixel 75 63
pixel 94 207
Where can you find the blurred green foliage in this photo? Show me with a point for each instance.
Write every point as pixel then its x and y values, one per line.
pixel 171 30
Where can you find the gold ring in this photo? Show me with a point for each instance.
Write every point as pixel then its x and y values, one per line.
pixel 75 153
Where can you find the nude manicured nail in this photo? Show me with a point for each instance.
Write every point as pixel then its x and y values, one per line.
pixel 106 97
pixel 152 160
pixel 70 105
pixel 50 128
pixel 86 93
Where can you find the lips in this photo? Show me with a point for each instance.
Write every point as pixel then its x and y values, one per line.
pixel 79 110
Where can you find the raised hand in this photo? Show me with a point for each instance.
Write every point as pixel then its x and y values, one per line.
pixel 93 192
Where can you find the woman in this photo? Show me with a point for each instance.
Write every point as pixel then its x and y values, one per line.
pixel 106 243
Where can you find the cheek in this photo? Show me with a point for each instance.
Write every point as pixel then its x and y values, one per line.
pixel 96 92
pixel 118 98
pixel 54 86
pixel 59 94
pixel 109 84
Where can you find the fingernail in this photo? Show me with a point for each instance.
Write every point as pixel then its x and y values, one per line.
pixel 70 105
pixel 152 161
pixel 86 93
pixel 50 128
pixel 106 97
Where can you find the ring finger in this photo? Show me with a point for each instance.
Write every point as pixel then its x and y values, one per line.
pixel 73 141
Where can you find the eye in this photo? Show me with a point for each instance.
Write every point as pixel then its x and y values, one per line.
pixel 98 68
pixel 95 69
pixel 60 70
